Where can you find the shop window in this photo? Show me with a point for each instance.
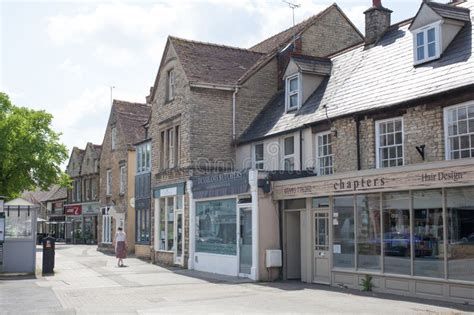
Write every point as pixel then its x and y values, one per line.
pixel 106 228
pixel 389 142
pixel 460 228
pixel 396 237
pixel 459 128
pixel 428 233
pixel 289 153
pixel 143 226
pixel 324 156
pixel 320 202
pixel 167 209
pixel 368 232
pixel 258 153
pixel 216 227
pixel 343 231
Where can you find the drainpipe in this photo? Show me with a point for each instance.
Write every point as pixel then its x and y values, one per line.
pixel 357 119
pixel 192 224
pixel 236 90
pixel 253 181
pixel 301 149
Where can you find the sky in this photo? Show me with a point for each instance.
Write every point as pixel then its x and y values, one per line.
pixel 64 56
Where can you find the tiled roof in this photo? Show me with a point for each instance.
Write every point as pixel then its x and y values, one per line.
pixel 60 193
pixel 449 11
pixel 311 64
pixel 364 79
pixel 211 63
pixel 131 117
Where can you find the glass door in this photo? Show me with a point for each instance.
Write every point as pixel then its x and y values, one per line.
pixel 178 229
pixel 321 247
pixel 245 241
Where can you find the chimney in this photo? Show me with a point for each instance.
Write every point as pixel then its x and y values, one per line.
pixel 377 21
pixel 149 96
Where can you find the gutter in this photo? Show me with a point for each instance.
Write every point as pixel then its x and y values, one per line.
pixel 223 87
pixel 357 121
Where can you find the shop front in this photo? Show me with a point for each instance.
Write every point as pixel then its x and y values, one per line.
pixel 411 229
pixel 223 224
pixel 170 226
pixel 81 223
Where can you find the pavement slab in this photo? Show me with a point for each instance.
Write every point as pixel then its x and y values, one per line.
pixel 89 282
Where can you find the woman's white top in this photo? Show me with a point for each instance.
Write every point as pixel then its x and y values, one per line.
pixel 120 237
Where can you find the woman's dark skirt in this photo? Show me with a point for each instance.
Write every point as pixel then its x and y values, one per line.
pixel 121 251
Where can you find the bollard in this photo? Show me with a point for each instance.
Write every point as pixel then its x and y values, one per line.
pixel 49 244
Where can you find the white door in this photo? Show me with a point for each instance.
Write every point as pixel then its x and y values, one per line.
pixel 178 237
pixel 245 241
pixel 321 247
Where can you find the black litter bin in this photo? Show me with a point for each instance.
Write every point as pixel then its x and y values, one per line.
pixel 49 244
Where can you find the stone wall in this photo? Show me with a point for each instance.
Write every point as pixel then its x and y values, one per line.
pixel 330 34
pixel 344 145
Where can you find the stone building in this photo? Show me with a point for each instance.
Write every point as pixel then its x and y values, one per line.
pixel 82 206
pixel 117 171
pixel 204 97
pixel 369 152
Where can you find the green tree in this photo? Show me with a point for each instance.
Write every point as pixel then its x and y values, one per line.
pixel 30 151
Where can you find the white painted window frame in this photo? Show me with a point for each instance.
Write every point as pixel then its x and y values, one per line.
pixel 108 183
pixel 123 174
pixel 254 156
pixel 446 111
pixel 377 140
pixel 438 42
pixel 289 156
pixel 106 229
pixel 288 94
pixel 318 156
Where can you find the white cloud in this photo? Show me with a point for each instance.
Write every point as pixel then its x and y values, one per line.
pixel 71 68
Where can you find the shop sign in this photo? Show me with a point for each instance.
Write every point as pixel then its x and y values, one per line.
pixel 90 208
pixel 168 190
pixel 58 205
pixel 436 177
pixel 73 210
pixel 222 184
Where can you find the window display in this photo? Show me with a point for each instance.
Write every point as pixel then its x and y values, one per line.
pixel 460 212
pixel 368 232
pixel 343 227
pixel 396 237
pixel 428 233
pixel 216 227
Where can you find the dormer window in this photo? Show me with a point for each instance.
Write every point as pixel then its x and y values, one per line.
pixel 293 92
pixel 426 43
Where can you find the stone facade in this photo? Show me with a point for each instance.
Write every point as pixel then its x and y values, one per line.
pixel 122 155
pixel 330 34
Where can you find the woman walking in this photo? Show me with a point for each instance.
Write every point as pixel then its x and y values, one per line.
pixel 120 246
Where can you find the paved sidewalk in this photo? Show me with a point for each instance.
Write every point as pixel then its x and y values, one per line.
pixel 89 282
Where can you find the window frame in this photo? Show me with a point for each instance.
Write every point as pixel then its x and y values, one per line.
pixel 166 222
pixel 171 87
pixel 143 158
pixel 377 141
pixel 437 28
pixel 123 174
pixel 318 157
pixel 106 228
pixel 289 156
pixel 288 93
pixel 447 148
pixel 254 156
pixel 108 182
pixel 113 138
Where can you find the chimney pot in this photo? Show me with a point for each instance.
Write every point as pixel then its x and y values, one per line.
pixel 377 3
